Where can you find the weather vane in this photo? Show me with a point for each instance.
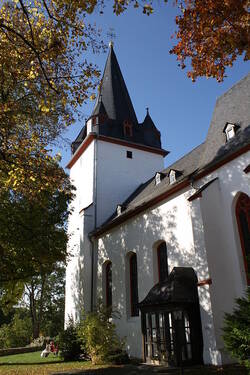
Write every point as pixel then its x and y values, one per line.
pixel 111 34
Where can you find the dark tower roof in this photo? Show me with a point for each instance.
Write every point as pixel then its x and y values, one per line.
pixel 150 132
pixel 114 93
pixel 113 113
pixel 99 108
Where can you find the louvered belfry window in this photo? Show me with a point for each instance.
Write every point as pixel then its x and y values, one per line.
pixel 109 284
pixel 243 221
pixel 133 285
pixel 162 261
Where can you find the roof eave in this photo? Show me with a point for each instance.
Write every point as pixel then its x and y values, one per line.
pixel 79 151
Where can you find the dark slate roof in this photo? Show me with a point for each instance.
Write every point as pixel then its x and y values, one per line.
pixel 79 139
pixel 233 107
pixel 99 108
pixel 114 93
pixel 149 190
pixel 179 287
pixel 151 135
pixel 114 101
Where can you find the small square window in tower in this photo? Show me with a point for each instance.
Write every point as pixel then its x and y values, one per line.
pixel 129 155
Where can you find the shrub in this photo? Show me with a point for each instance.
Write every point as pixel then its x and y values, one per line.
pixel 98 336
pixel 237 331
pixel 69 344
pixel 18 332
pixel 39 341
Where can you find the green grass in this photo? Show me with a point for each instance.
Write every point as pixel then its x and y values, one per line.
pixel 29 358
pixel 33 364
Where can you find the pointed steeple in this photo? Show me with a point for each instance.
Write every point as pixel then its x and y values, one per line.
pixel 114 93
pixel 99 107
pixel 151 134
pixel 113 115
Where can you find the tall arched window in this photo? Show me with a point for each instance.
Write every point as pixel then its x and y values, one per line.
pixel 243 221
pixel 108 282
pixel 162 260
pixel 133 285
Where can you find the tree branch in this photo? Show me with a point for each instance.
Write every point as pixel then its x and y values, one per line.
pixel 2 25
pixel 28 19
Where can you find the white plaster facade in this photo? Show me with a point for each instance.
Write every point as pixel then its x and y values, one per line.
pixel 200 230
pixel 201 234
pixel 103 177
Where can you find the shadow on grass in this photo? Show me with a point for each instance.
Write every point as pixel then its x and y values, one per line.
pixel 30 363
pixel 110 370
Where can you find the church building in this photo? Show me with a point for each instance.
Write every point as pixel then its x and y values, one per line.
pixel 169 249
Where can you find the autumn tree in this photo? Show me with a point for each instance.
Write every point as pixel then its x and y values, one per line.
pixel 210 34
pixel 44 77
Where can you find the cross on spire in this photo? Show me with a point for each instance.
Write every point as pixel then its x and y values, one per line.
pixel 111 34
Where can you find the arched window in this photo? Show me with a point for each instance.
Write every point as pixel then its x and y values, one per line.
pixel 162 261
pixel 108 282
pixel 243 221
pixel 133 285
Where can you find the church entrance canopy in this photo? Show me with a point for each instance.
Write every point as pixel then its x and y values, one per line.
pixel 171 324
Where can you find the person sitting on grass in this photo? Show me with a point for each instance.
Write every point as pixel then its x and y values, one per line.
pixel 46 351
pixel 52 346
pixel 56 350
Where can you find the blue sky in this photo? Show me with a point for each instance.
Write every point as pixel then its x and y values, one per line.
pixel 180 109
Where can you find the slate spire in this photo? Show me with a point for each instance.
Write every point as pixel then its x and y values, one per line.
pixel 113 114
pixel 114 94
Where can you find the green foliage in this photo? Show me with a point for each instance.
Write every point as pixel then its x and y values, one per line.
pixel 237 331
pixel 98 335
pixel 69 343
pixel 18 332
pixel 44 297
pixel 33 238
pixel 54 301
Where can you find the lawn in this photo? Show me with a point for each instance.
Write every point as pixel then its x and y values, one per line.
pixel 33 364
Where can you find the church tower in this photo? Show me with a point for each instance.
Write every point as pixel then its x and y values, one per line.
pixel 111 157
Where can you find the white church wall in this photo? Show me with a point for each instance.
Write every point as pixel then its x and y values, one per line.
pixel 224 255
pixel 120 175
pixel 210 353
pixel 78 269
pixel 115 172
pixel 86 259
pixel 82 177
pixel 72 290
pixel 169 222
pixel 199 234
